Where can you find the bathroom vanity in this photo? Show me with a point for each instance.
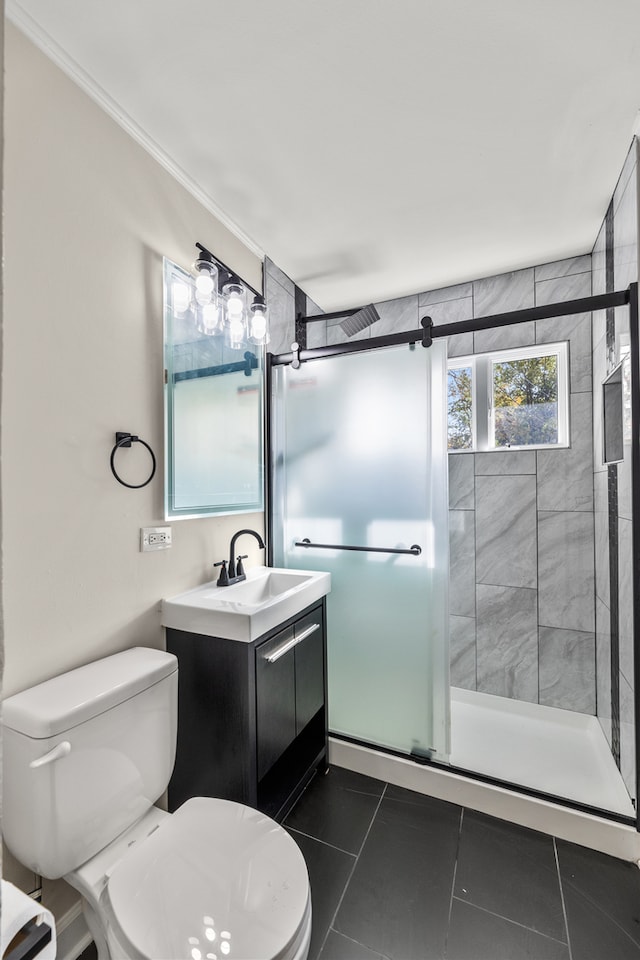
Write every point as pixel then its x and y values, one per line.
pixel 252 708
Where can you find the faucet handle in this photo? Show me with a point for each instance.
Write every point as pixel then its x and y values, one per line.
pixel 239 567
pixel 223 579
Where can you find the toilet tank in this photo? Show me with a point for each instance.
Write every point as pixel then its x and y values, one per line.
pixel 85 754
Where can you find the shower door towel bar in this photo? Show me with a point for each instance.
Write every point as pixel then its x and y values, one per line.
pixel 414 550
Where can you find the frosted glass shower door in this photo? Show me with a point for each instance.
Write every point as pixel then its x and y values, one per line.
pixel 359 448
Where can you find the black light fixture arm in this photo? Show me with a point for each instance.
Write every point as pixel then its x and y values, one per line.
pixel 231 274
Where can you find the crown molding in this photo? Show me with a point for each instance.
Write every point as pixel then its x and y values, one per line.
pixel 27 25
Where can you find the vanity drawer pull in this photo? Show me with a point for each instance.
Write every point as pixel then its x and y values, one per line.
pixel 290 644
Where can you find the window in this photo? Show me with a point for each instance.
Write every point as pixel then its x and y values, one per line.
pixel 460 407
pixel 511 399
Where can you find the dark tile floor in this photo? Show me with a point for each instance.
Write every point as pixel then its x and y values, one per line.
pixel 400 876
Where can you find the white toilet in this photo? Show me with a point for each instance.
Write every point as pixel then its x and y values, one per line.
pixel 86 755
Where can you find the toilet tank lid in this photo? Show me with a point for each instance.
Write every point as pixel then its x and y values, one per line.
pixel 72 698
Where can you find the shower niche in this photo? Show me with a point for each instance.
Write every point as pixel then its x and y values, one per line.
pixel 612 417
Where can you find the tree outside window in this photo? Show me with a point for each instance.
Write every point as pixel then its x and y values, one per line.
pixel 525 402
pixel 460 407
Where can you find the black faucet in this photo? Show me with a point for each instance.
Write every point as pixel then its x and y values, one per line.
pixel 235 571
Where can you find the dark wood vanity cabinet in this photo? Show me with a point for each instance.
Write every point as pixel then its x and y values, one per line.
pixel 252 718
pixel 289 686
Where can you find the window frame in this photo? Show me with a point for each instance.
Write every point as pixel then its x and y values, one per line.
pixel 482 406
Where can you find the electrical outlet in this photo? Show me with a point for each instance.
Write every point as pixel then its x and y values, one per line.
pixel 155 538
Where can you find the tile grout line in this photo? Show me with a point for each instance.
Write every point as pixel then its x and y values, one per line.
pixel 516 923
pixel 453 883
pixel 564 907
pixel 595 905
pixel 325 843
pixel 355 864
pixel 382 956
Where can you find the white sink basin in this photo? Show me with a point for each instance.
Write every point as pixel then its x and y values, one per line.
pixel 246 610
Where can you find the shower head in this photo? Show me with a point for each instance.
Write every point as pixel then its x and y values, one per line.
pixel 360 320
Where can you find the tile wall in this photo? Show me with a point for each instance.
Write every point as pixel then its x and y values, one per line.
pixel 281 294
pixel 615 266
pixel 521 522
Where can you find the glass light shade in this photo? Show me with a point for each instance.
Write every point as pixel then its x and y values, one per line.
pixel 233 293
pixel 234 297
pixel 208 319
pixel 206 282
pixel 180 297
pixel 236 333
pixel 259 323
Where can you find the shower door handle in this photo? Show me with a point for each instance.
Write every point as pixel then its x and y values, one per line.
pixel 290 644
pixel 414 549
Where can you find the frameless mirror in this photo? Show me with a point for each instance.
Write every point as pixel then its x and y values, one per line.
pixel 214 446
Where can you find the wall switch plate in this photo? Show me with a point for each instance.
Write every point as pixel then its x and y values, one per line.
pixel 155 538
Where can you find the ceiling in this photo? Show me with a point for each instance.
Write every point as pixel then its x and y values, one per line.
pixel 372 148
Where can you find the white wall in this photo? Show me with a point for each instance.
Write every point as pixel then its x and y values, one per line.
pixel 88 217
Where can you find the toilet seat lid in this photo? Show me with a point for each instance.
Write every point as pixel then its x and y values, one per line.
pixel 217 879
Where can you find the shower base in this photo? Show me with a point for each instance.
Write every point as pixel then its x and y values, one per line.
pixel 552 751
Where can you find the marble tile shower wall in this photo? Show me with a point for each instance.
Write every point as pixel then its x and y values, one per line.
pixel 522 596
pixel 280 294
pixel 521 522
pixel 614 533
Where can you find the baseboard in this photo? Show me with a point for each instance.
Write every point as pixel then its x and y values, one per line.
pixel 72 933
pixel 598 833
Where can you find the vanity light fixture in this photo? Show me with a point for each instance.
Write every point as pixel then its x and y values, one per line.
pixel 258 327
pixel 206 279
pixel 235 313
pixel 218 303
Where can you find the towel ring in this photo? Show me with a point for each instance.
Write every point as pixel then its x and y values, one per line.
pixel 125 440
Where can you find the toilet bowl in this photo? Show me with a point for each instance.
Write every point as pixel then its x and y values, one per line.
pixel 214 879
pixel 85 754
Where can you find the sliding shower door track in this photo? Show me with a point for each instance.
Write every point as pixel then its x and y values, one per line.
pixel 429 332
pixel 424 761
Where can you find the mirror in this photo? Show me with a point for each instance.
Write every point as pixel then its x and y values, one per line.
pixel 214 443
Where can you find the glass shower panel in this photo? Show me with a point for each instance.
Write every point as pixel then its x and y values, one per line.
pixel 359 448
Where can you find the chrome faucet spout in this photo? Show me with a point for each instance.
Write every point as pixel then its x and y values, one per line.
pixel 235 575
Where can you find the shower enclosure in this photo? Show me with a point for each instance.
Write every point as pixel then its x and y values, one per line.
pixel 359 483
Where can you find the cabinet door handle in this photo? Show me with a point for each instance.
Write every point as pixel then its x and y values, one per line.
pixel 290 644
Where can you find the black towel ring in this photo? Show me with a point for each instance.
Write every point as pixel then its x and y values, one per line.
pixel 125 440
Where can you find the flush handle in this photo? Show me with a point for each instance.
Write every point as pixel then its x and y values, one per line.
pixel 61 750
